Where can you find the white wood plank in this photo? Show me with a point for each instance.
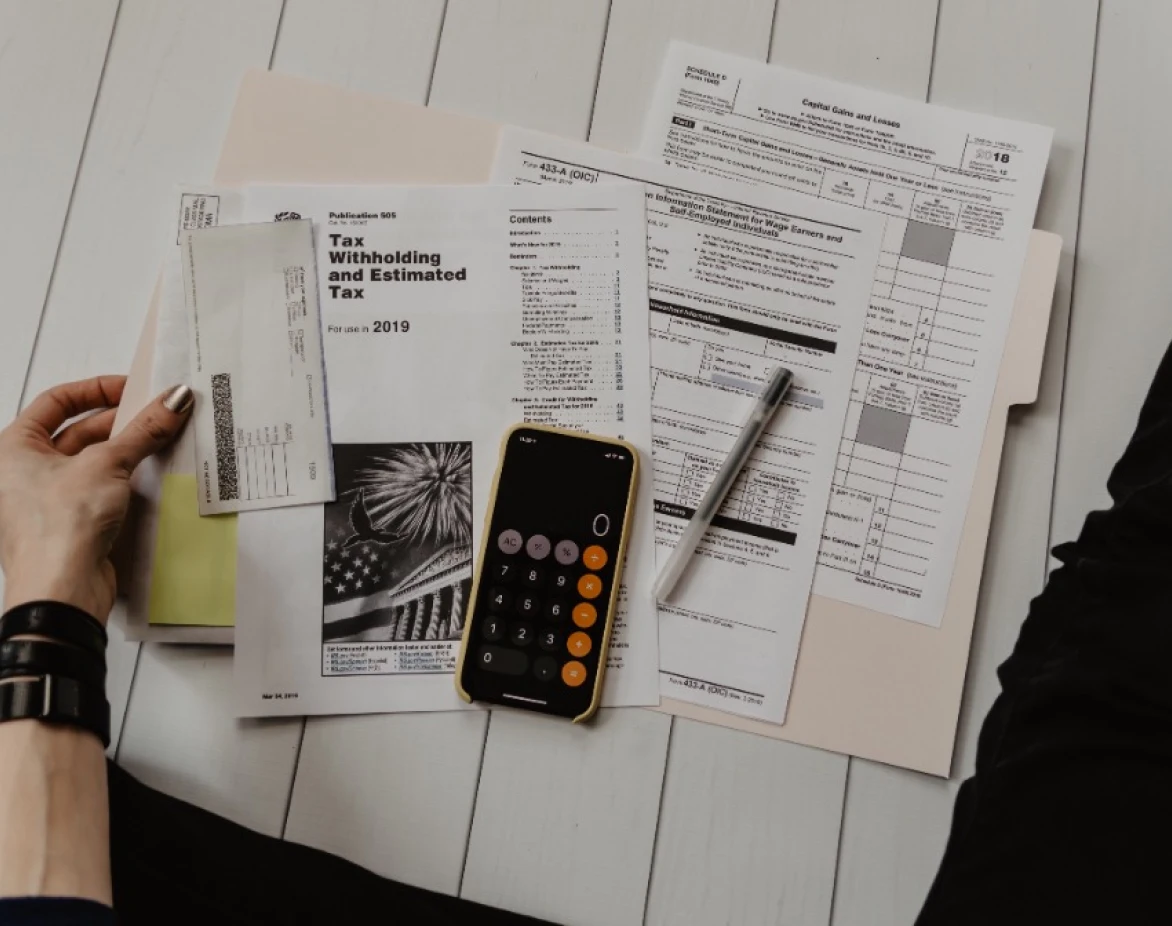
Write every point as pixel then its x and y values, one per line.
pixel 51 55
pixel 371 45
pixel 885 45
pixel 561 830
pixel 393 794
pixel 748 830
pixel 121 660
pixel 1121 322
pixel 636 39
pixel 165 97
pixel 182 737
pixel 526 62
pixel 894 827
pixel 1029 61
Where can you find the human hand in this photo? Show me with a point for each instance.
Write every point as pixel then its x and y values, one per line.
pixel 64 494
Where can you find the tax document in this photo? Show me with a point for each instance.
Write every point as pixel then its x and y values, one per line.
pixel 262 439
pixel 957 193
pixel 741 281
pixel 450 313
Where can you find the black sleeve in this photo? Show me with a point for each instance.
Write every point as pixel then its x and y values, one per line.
pixel 1066 819
pixel 54 911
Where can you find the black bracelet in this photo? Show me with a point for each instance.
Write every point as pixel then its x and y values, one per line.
pixel 35 657
pixel 59 701
pixel 61 622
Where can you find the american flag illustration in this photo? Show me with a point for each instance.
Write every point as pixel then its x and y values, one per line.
pixel 396 551
pixel 358 572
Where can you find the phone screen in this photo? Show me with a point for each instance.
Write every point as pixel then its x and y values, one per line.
pixel 552 558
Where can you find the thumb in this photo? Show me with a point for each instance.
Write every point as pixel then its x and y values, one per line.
pixel 152 429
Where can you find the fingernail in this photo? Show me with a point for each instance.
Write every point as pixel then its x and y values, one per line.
pixel 179 399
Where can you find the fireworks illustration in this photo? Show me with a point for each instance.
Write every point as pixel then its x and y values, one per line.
pixel 421 492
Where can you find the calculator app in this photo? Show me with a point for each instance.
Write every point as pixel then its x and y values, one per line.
pixel 544 595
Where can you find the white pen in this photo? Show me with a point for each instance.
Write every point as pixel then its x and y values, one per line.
pixel 767 402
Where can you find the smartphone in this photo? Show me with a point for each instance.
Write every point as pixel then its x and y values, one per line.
pixel 543 599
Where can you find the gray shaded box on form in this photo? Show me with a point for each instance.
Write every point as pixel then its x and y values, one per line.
pixel 879 427
pixel 929 243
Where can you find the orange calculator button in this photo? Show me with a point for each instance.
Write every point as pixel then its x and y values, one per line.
pixel 573 674
pixel 595 557
pixel 589 586
pixel 584 614
pixel 579 644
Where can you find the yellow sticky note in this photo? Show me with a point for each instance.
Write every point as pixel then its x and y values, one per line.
pixel 194 578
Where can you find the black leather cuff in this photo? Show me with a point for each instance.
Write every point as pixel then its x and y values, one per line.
pixel 57 700
pixel 34 657
pixel 61 622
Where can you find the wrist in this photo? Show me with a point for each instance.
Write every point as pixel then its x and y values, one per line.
pixel 23 586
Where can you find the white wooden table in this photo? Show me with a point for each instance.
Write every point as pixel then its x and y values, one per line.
pixel 105 104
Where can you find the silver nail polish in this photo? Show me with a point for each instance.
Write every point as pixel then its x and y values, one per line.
pixel 179 400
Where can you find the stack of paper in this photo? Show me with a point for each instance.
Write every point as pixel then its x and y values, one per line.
pixel 870 244
pixel 956 194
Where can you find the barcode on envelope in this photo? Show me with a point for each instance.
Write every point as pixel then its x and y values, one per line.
pixel 225 437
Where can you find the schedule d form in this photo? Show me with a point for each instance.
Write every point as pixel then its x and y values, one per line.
pixel 956 193
pixel 740 281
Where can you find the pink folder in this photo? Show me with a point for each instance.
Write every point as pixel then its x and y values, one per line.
pixel 867 684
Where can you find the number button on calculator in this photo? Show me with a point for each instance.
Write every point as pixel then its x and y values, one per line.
pixel 561 582
pixel 493 629
pixel 538 587
pixel 502 659
pixel 555 610
pixel 521 634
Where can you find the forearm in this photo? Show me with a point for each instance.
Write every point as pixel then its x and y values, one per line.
pixel 64 493
pixel 54 816
pixel 54 807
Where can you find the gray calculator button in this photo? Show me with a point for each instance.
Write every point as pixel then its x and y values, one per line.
pixel 538 546
pixel 509 541
pixel 566 552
